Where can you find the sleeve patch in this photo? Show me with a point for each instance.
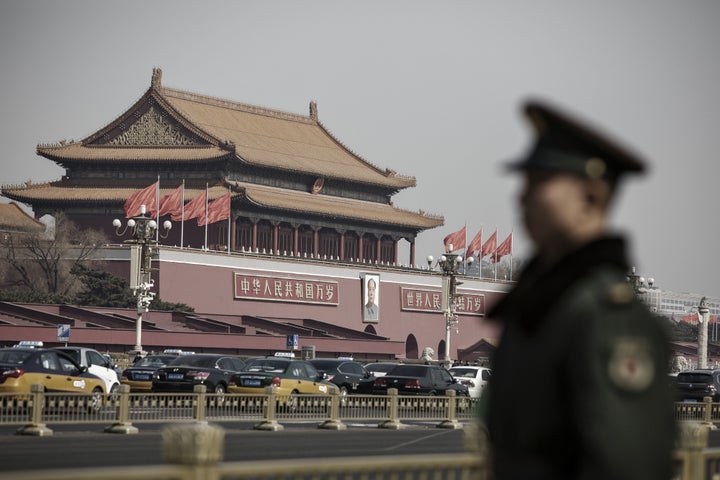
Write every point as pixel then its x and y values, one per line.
pixel 630 366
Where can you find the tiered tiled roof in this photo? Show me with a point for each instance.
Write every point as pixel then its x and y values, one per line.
pixel 169 130
pixel 337 207
pixel 14 219
pixel 215 127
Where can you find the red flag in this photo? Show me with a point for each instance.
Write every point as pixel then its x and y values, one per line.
pixel 147 196
pixel 456 239
pixel 489 246
pixel 505 248
pixel 172 204
pixel 218 209
pixel 196 207
pixel 475 244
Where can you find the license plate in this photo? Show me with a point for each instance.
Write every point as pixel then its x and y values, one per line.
pixel 251 382
pixel 691 400
pixel 142 376
pixel 175 376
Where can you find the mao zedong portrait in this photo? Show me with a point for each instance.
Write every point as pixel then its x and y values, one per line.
pixel 370 309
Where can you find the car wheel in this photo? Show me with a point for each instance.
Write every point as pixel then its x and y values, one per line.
pixel 96 400
pixel 114 393
pixel 343 396
pixel 219 394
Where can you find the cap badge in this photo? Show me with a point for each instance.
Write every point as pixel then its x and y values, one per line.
pixel 595 167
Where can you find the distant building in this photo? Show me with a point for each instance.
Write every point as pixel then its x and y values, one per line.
pixel 14 220
pixel 294 187
pixel 309 220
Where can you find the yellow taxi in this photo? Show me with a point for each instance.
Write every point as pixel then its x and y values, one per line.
pixel 288 375
pixel 57 372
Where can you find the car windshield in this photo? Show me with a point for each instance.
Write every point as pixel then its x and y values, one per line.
pixel 694 377
pixel 153 361
pixel 194 361
pixel 13 356
pixel 74 354
pixel 409 371
pixel 463 372
pixel 324 365
pixel 268 365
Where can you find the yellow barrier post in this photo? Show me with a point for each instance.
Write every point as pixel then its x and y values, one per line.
pixel 37 399
pixel 198 446
pixel 123 424
pixel 692 439
pixel 270 423
pixel 707 413
pixel 334 422
pixel 393 421
pixel 200 407
pixel 451 420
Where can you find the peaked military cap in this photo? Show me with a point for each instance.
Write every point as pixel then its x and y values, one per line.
pixel 566 144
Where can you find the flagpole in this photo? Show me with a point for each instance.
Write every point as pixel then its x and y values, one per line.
pixel 465 254
pixel 512 239
pixel 229 221
pixel 182 215
pixel 206 215
pixel 495 254
pixel 157 210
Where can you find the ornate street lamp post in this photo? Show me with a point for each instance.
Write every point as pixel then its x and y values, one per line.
pixel 449 263
pixel 143 230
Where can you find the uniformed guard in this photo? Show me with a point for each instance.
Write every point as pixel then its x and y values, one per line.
pixel 579 387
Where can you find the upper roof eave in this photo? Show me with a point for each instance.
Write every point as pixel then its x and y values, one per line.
pixel 293 200
pixel 78 152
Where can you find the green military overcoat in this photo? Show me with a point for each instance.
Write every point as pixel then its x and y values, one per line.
pixel 580 387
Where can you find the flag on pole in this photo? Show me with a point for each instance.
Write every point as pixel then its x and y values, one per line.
pixel 147 196
pixel 218 209
pixel 172 204
pixel 196 207
pixel 455 241
pixel 489 246
pixel 505 248
pixel 475 244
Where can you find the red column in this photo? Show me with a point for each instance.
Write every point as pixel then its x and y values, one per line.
pixel 296 235
pixel 342 245
pixel 377 249
pixel 360 246
pixel 412 253
pixel 276 228
pixel 254 236
pixel 316 241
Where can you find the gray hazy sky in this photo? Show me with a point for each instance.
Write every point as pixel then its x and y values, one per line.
pixel 429 89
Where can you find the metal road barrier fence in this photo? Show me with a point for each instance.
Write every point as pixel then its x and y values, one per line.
pixel 123 411
pixel 187 416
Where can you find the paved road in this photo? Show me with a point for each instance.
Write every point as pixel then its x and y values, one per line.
pixel 74 447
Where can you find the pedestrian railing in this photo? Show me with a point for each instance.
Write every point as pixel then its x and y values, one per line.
pixel 122 412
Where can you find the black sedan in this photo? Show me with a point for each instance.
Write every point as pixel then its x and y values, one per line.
pixel 348 375
pixel 139 376
pixel 185 371
pixel 411 379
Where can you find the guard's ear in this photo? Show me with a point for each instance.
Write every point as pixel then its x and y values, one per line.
pixel 598 193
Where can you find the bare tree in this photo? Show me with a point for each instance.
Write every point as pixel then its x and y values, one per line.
pixel 43 263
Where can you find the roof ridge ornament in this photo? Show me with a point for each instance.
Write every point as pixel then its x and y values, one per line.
pixel 313 110
pixel 156 82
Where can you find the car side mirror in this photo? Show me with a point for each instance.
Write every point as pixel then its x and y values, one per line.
pixel 83 368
